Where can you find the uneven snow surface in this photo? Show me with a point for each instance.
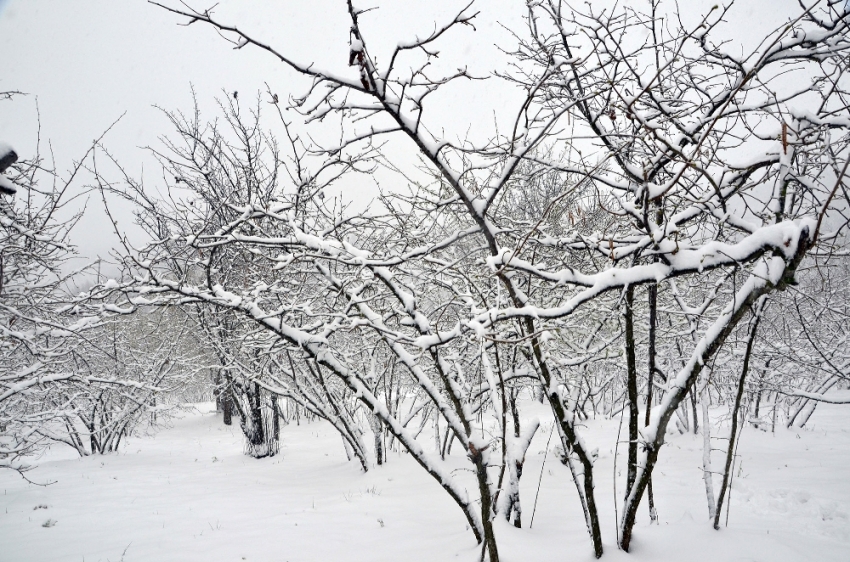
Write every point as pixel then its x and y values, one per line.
pixel 189 493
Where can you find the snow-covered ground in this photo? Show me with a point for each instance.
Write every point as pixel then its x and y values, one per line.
pixel 189 493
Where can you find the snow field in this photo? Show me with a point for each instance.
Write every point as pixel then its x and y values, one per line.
pixel 188 493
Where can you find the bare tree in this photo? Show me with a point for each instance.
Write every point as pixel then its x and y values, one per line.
pixel 651 157
pixel 43 327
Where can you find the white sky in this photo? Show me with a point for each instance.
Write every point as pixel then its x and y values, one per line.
pixel 89 61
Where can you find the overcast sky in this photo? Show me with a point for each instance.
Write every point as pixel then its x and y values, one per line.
pixel 87 62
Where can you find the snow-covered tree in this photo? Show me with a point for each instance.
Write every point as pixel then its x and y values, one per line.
pixel 68 373
pixel 670 185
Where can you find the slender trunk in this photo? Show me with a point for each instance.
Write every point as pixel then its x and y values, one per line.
pixel 514 461
pixel 95 448
pixel 806 413
pixel 486 504
pixel 631 385
pixel 572 445
pixel 773 414
pixel 807 407
pixel 276 418
pixel 228 401
pixel 258 434
pixel 653 301
pixel 451 439
pixel 446 436
pixel 438 444
pixel 377 431
pixel 706 458
pixel 514 412
pixel 503 410
pixel 349 450
pixel 734 430
pixel 682 421
pixel 694 412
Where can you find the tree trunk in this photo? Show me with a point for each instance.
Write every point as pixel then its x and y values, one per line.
pixel 631 385
pixel 258 434
pixel 807 407
pixel 276 418
pixel 227 399
pixel 653 301
pixel 694 412
pixel 377 430
pixel 706 458
pixel 489 539
pixel 730 451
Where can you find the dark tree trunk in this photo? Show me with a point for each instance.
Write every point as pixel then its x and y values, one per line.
pixel 254 399
pixel 730 451
pixel 514 412
pixel 631 386
pixel 227 402
pixel 653 303
pixel 489 539
pixel 276 418
pixel 377 431
pixel 694 411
